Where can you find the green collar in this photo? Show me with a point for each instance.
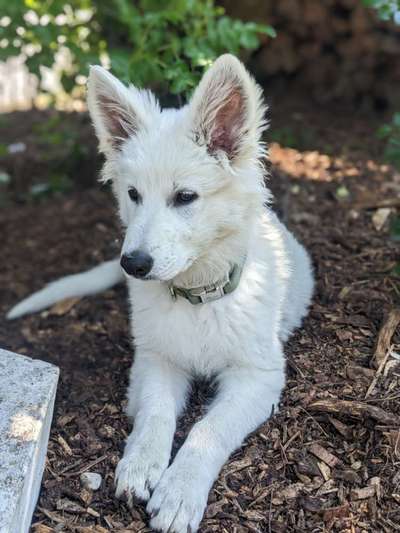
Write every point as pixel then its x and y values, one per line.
pixel 209 293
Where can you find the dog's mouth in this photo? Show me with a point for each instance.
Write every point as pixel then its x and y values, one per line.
pixel 148 277
pixel 166 275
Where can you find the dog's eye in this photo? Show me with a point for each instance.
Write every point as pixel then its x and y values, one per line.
pixel 184 198
pixel 134 195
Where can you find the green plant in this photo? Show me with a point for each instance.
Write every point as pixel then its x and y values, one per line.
pixel 162 44
pixel 56 184
pixel 390 133
pixel 60 143
pixel 299 138
pixel 387 9
pixel 395 229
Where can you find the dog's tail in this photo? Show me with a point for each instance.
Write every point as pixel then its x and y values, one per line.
pixel 97 279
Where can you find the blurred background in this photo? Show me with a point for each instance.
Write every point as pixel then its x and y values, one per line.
pixel 330 71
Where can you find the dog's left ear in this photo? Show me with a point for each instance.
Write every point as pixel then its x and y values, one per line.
pixel 227 111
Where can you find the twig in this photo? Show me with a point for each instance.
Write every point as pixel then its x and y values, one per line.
pixel 270 513
pixel 87 467
pixel 355 409
pixel 375 204
pixel 378 373
pixel 53 516
pixel 70 467
pixel 385 335
pixel 289 441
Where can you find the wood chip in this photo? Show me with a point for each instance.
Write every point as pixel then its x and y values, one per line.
pixel 65 419
pixel 321 453
pixel 325 470
pixel 41 528
pixel 355 409
pixel 347 475
pixel 64 444
pixel 340 511
pixel 92 512
pixel 313 504
pixel 340 427
pixel 363 493
pixel 307 465
pixel 376 482
pixel 388 327
pixel 288 493
pixel 380 217
pixel 64 504
pixel 356 373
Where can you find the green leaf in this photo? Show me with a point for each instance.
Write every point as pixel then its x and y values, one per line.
pixel 396 120
pixel 342 192
pixel 384 131
pixel 120 63
pixel 164 45
pixel 249 40
pixel 267 30
pixel 395 229
pixel 396 270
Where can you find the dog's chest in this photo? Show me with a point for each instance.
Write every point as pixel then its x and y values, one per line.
pixel 201 338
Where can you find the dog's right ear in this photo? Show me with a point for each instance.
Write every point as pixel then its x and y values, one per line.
pixel 117 112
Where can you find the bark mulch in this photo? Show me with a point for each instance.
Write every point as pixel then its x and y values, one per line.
pixel 329 460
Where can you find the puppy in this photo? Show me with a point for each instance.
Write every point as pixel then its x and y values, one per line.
pixel 216 283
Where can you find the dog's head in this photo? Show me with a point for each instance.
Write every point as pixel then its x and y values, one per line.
pixel 187 181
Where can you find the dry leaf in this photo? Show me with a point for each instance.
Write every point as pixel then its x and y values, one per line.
pixel 63 307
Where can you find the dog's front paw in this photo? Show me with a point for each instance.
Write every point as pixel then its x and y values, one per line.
pixel 138 472
pixel 179 500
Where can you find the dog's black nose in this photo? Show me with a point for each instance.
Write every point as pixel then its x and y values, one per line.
pixel 137 263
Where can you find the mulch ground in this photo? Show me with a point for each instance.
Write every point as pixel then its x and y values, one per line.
pixel 329 460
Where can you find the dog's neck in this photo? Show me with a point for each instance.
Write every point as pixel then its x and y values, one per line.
pixel 216 264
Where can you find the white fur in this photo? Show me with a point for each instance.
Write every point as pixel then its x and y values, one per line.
pixel 95 280
pixel 212 146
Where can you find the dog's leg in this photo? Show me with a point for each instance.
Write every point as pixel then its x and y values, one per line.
pixel 245 399
pixel 156 396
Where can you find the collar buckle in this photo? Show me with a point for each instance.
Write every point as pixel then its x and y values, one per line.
pixel 210 294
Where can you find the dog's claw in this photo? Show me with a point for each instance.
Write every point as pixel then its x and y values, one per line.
pixel 123 496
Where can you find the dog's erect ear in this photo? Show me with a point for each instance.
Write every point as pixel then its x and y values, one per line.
pixel 228 111
pixel 117 111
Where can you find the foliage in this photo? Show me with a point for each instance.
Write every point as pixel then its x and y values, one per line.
pixel 297 137
pixel 64 157
pixel 395 229
pixel 387 9
pixel 165 45
pixel 391 134
pixel 63 153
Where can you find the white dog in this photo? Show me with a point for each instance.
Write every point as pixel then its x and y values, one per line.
pixel 216 282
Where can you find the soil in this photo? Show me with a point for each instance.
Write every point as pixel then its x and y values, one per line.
pixel 329 460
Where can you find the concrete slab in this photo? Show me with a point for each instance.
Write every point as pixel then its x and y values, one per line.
pixel 27 393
